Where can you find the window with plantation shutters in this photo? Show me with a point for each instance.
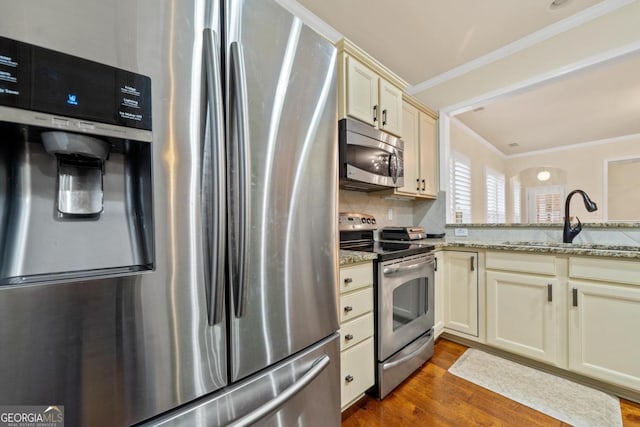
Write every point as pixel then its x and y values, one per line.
pixel 494 196
pixel 516 200
pixel 545 204
pixel 459 199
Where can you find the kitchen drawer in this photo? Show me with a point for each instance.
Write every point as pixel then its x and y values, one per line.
pixel 356 276
pixel 356 371
pixel 524 263
pixel 609 270
pixel 355 331
pixel 355 304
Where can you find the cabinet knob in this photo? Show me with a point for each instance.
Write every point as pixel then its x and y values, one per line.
pixel 418 184
pixel 375 113
pixel 348 280
pixel 348 308
pixel 348 337
pixel 348 378
pixel 424 185
pixel 384 117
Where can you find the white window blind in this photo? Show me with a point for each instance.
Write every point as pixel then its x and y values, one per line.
pixel 546 204
pixel 495 208
pixel 516 191
pixel 459 187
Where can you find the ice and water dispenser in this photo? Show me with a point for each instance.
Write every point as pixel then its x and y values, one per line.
pixel 75 167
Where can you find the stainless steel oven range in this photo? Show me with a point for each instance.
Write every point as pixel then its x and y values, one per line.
pixel 404 300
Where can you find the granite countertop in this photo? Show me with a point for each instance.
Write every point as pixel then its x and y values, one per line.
pixel 582 249
pixel 354 257
pixel 585 249
pixel 545 225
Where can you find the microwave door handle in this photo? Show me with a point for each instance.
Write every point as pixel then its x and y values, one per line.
pixel 393 167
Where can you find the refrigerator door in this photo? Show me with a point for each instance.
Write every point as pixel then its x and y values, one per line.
pixel 281 136
pixel 301 391
pixel 120 350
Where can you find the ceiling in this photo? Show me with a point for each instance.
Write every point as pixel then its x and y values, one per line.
pixel 598 103
pixel 422 39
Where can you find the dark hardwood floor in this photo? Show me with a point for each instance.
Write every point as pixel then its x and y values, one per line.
pixel 434 397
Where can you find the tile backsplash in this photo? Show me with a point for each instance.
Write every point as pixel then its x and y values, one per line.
pixel 387 211
pixel 390 211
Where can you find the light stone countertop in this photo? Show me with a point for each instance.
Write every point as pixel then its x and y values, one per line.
pixel 354 257
pixel 582 249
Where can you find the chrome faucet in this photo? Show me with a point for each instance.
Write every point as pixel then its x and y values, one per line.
pixel 570 232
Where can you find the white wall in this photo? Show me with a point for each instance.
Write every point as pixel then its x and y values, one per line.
pixel 464 141
pixel 584 169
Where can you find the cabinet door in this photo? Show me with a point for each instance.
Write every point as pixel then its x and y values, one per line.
pixel 356 371
pixel 361 92
pixel 604 342
pixel 523 315
pixel 428 156
pixel 390 108
pixel 410 132
pixel 461 292
pixel 438 294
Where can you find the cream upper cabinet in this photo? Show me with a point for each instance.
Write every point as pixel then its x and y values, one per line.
pixel 461 292
pixel 371 98
pixel 411 154
pixel 428 156
pixel 367 90
pixel 420 153
pixel 361 91
pixel 604 314
pixel 390 114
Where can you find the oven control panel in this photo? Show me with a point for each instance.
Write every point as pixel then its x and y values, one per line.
pixel 356 221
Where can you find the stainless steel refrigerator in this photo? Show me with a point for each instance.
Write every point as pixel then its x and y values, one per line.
pixel 180 270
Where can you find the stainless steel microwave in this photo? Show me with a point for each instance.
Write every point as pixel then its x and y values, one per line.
pixel 369 159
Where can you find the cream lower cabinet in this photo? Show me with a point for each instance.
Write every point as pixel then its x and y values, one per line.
pixel 461 292
pixel 523 314
pixel 356 331
pixel 524 305
pixel 438 294
pixel 604 316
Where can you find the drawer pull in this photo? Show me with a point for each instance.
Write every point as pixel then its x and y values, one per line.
pixel 348 337
pixel 348 378
pixel 348 280
pixel 348 309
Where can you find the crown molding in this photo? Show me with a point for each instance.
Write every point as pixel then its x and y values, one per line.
pixel 532 39
pixel 623 138
pixel 312 20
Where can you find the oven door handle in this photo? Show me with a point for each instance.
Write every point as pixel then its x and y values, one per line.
pixel 388 271
pixel 391 365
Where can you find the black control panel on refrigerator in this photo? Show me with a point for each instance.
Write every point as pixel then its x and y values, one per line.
pixel 38 79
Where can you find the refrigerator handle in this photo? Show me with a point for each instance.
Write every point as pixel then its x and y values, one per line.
pixel 273 405
pixel 244 171
pixel 216 167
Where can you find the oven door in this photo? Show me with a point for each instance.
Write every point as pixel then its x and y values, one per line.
pixel 405 302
